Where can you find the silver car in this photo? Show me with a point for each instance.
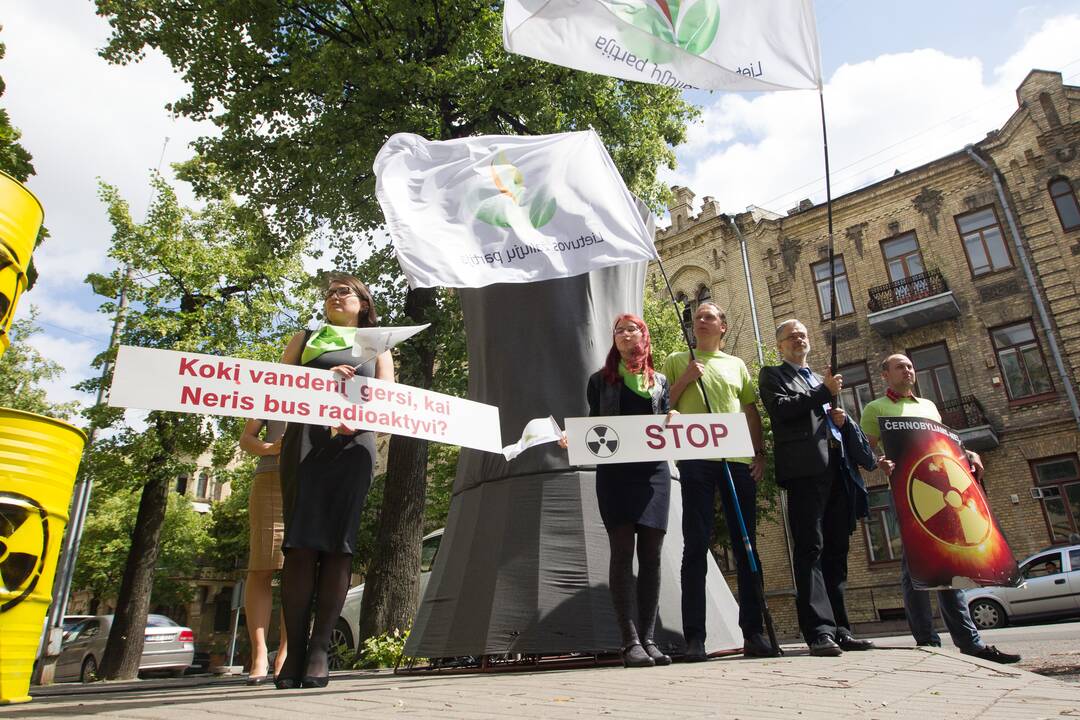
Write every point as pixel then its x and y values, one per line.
pixel 1051 589
pixel 168 647
pixel 347 627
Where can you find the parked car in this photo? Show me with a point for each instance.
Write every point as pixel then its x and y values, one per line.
pixel 346 629
pixel 168 647
pixel 1051 589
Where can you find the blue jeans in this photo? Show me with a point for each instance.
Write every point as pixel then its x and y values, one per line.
pixel 954 612
pixel 699 481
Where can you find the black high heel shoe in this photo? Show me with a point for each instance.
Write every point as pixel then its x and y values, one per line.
pixel 314 682
pixel 286 683
pixel 658 657
pixel 635 656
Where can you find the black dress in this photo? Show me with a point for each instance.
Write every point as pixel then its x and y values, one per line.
pixel 635 493
pixel 324 479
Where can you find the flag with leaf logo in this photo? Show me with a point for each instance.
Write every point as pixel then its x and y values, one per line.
pixel 709 44
pixel 495 209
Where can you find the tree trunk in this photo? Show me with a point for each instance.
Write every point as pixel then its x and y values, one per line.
pixel 124 648
pixel 392 584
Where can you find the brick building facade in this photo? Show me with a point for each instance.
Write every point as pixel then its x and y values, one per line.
pixel 930 262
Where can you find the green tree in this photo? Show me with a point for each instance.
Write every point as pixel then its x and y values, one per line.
pixel 304 94
pixel 109 526
pixel 217 281
pixel 23 369
pixel 17 162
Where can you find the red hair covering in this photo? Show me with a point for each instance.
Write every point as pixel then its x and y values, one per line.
pixel 640 358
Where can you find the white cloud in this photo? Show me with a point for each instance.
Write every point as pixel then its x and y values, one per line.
pixel 896 111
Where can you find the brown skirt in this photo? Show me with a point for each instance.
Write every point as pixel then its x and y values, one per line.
pixel 265 520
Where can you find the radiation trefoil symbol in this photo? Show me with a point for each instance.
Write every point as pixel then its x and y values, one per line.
pixel 602 441
pixel 947 502
pixel 24 540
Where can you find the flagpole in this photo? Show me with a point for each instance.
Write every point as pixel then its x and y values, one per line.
pixel 748 548
pixel 832 250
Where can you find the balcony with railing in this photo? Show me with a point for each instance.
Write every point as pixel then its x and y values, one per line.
pixel 911 302
pixel 966 416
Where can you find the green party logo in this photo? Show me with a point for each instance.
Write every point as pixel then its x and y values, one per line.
pixel 502 197
pixel 685 24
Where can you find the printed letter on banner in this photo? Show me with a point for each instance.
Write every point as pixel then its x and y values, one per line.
pixel 641 438
pixel 210 385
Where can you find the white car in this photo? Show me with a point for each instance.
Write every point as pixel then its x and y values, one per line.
pixel 1051 589
pixel 346 629
pixel 167 647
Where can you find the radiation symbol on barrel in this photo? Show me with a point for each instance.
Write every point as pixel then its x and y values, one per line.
pixel 947 502
pixel 601 441
pixel 24 539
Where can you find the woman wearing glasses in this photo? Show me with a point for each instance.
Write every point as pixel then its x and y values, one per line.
pixel 633 497
pixel 325 476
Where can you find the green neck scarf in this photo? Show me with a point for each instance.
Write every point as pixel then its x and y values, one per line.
pixel 327 339
pixel 634 381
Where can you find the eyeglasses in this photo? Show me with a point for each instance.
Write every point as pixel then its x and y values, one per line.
pixel 628 330
pixel 793 336
pixel 339 292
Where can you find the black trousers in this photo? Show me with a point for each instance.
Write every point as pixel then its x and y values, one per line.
pixel 699 480
pixel 819 518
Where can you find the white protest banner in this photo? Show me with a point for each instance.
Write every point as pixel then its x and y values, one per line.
pixel 708 44
pixel 211 385
pixel 498 209
pixel 372 342
pixel 640 438
pixel 537 432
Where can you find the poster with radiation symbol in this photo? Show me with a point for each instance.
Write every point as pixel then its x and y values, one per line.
pixel 949 534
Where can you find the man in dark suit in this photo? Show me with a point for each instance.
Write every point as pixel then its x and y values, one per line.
pixel 817 453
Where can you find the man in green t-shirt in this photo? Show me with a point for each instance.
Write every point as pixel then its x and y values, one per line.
pixel 730 390
pixel 900 399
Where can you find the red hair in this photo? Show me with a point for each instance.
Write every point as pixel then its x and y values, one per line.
pixel 640 360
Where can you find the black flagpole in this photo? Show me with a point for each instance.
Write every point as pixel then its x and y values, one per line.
pixel 751 556
pixel 832 251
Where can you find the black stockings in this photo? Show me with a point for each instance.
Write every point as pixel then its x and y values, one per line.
pixel 621 580
pixel 311 580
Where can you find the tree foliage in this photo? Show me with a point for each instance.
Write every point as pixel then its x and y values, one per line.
pixel 304 94
pixel 218 281
pixel 23 370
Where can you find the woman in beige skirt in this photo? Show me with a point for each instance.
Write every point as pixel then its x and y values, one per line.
pixel 264 556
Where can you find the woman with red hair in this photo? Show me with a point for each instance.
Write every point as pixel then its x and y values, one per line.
pixel 633 497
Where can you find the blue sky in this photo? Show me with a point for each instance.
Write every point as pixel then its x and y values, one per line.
pixel 905 82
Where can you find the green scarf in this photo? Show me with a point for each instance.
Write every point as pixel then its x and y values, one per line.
pixel 634 381
pixel 327 339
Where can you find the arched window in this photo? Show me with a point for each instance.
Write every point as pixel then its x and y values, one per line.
pixel 703 294
pixel 203 486
pixel 1061 192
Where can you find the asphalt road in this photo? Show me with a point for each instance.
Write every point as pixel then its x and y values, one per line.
pixel 1051 649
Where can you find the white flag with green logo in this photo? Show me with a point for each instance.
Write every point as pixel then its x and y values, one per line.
pixel 500 208
pixel 741 45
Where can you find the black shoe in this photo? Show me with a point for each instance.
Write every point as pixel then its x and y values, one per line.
pixel 286 683
pixel 825 646
pixel 931 643
pixel 695 651
pixel 652 651
pixel 635 656
pixel 256 679
pixel 314 682
pixel 849 642
pixel 992 654
pixel 757 646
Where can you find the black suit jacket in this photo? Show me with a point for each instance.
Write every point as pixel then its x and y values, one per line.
pixel 801 435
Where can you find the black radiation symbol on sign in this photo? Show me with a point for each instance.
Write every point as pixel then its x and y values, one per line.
pixel 24 539
pixel 602 441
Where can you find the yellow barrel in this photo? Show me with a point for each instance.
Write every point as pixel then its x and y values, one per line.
pixel 39 458
pixel 21 216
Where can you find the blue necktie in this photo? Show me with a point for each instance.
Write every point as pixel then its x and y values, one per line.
pixel 812 382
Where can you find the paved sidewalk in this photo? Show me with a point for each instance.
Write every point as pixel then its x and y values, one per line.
pixel 921 683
